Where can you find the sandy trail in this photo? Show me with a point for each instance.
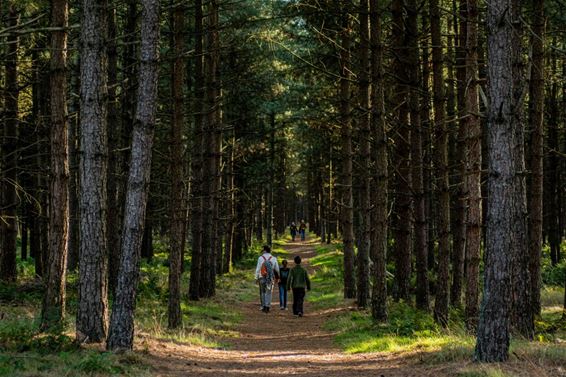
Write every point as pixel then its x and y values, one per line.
pixel 276 344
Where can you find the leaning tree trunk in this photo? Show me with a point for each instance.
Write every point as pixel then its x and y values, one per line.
pixel 379 192
pixel 472 179
pixel 347 212
pixel 536 117
pixel 493 329
pixel 53 307
pixel 441 168
pixel 365 157
pixel 176 206
pixel 92 313
pixel 9 225
pixel 121 334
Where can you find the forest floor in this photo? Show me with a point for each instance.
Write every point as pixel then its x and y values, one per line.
pixel 227 335
pixel 279 343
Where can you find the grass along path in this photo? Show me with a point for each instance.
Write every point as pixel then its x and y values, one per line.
pixel 333 338
pixel 278 343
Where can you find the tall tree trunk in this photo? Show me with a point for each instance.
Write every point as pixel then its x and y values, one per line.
pixel 53 307
pixel 9 225
pixel 197 159
pixel 421 224
pixel 93 293
pixel 347 212
pixel 176 165
pixel 271 183
pixel 441 167
pixel 230 205
pixel 552 171
pixel 365 158
pixel 379 192
pixel 427 142
pixel 522 317
pixel 494 322
pixel 536 117
pixel 121 334
pixel 459 136
pixel 73 130
pixel 403 206
pixel 472 180
pixel 208 280
pixel 113 171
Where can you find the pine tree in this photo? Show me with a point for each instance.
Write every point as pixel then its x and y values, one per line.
pixel 53 308
pixel 121 332
pixel 92 312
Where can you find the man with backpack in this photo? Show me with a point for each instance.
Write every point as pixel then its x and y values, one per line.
pixel 265 275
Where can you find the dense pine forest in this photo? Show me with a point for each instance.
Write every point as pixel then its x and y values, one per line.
pixel 150 148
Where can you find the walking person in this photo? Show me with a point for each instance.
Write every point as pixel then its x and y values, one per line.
pixel 299 282
pixel 293 229
pixel 265 273
pixel 283 278
pixel 303 230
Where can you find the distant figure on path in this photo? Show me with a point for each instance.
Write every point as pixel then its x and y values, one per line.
pixel 303 229
pixel 265 272
pixel 298 281
pixel 283 278
pixel 293 229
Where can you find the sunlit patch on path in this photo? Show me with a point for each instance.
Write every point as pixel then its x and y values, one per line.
pixel 277 344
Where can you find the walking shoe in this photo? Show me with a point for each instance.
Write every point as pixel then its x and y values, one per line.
pixel 300 314
pixel 281 308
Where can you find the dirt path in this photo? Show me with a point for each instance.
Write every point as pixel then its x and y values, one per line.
pixel 276 344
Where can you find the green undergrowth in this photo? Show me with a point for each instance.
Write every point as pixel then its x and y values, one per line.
pixel 328 290
pixel 411 332
pixel 24 351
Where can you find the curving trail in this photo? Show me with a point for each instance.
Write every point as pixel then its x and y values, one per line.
pixel 278 344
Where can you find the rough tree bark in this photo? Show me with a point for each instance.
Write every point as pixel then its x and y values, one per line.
pixel 176 206
pixel 379 193
pixel 347 211
pixel 121 333
pixel 494 322
pixel 53 306
pixel 92 313
pixel 114 166
pixel 365 157
pixel 472 178
pixel 536 117
pixel 522 319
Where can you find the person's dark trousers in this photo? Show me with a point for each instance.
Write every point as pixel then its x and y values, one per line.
pixel 282 296
pixel 298 299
